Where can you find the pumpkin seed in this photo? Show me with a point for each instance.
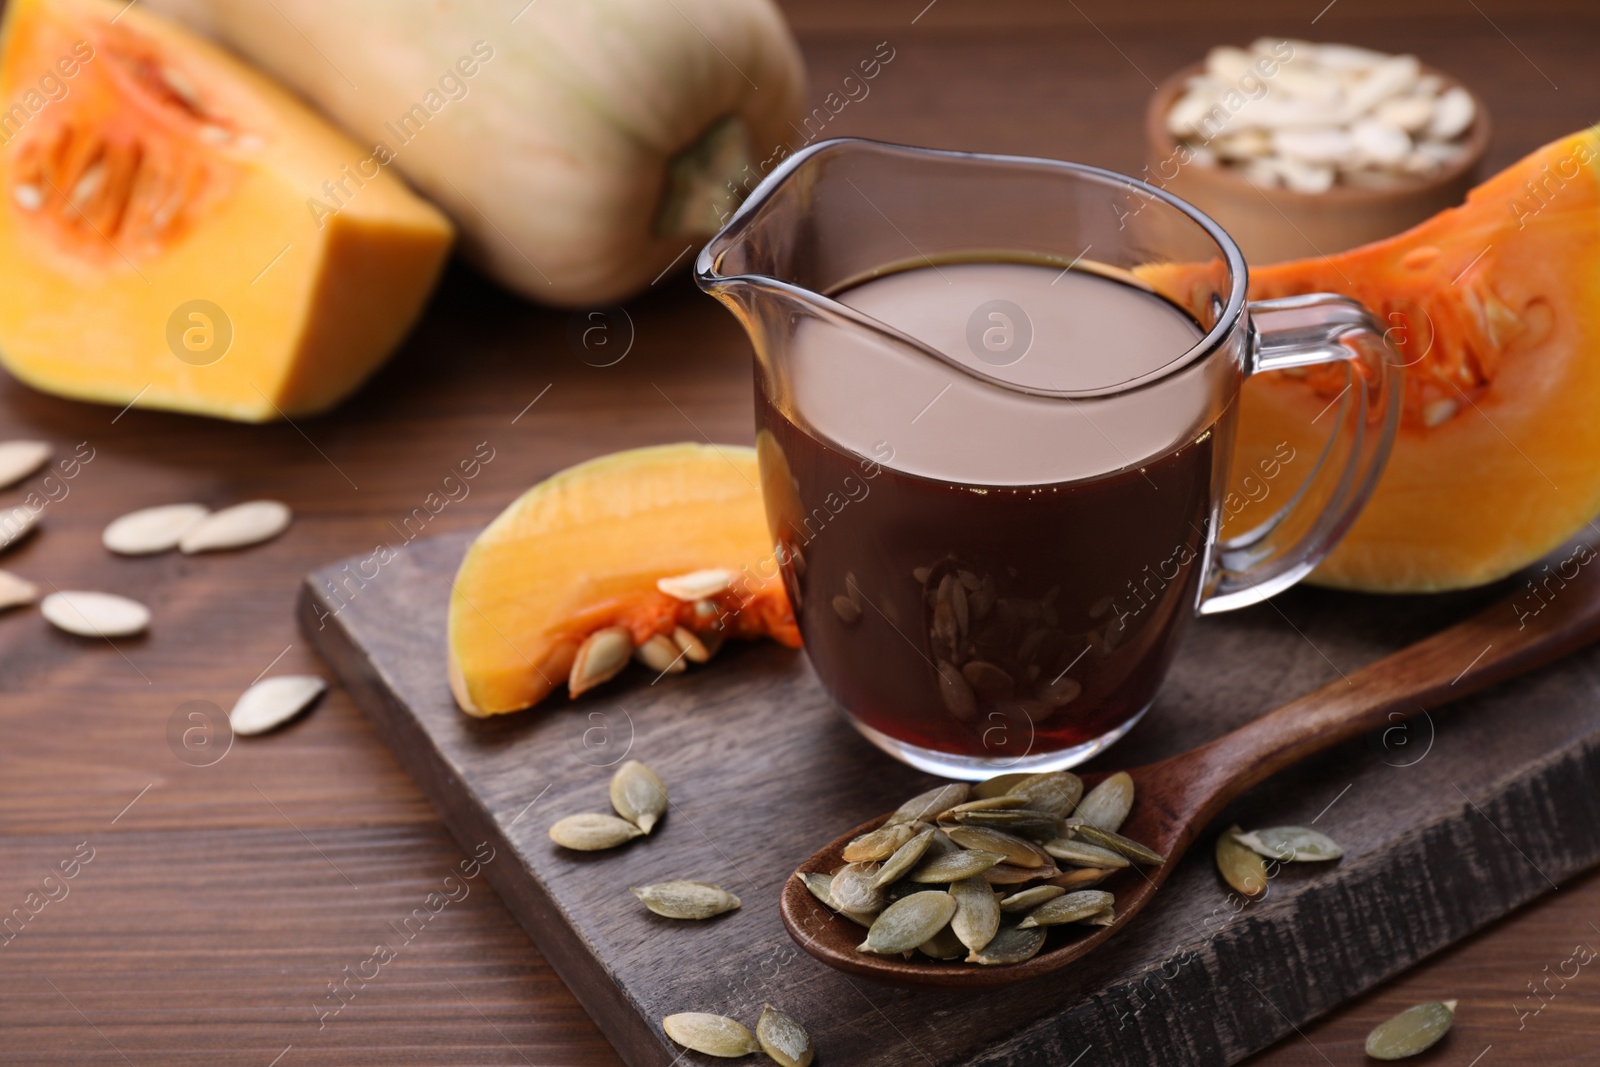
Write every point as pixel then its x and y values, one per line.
pixel 1117 843
pixel 1084 854
pixel 600 658
pixel 853 888
pixel 909 922
pixel 1009 874
pixel 999 785
pixel 1082 877
pixel 987 680
pixel 591 832
pixel 1068 908
pixel 15 592
pixel 695 649
pixel 959 700
pixel 783 1039
pixel 953 867
pixel 925 807
pixel 846 609
pixel 639 795
pixel 881 843
pixel 95 614
pixel 1029 899
pixel 151 530
pixel 1054 792
pixel 905 857
pixel 244 524
pixel 977 916
pixel 686 900
pixel 1107 805
pixel 714 1035
pixel 15 524
pixel 1017 821
pixel 18 459
pixel 662 655
pixel 697 585
pixel 1011 944
pixel 1059 692
pixel 1108 917
pixel 1241 868
pixel 272 702
pixel 1412 1031
pixel 944 945
pixel 818 884
pixel 1298 844
pixel 1017 852
pixel 1000 803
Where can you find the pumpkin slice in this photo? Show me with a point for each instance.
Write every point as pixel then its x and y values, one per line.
pixel 588 551
pixel 1494 308
pixel 156 230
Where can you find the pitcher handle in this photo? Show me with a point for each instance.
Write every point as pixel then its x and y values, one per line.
pixel 1302 331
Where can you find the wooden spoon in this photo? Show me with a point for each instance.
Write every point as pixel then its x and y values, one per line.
pixel 1177 797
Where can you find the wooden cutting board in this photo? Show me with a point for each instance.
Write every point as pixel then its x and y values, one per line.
pixel 1448 823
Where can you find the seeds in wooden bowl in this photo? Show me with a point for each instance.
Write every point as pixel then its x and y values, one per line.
pixel 1414 1030
pixel 686 900
pixel 909 922
pixel 89 614
pixel 714 1035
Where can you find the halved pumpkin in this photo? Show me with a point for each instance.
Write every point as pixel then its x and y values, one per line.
pixel 165 231
pixel 1494 310
pixel 582 553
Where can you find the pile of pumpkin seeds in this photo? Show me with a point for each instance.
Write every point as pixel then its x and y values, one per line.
pixel 778 1035
pixel 982 873
pixel 1242 857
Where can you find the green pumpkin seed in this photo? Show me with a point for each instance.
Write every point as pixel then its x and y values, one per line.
pixel 1125 846
pixel 977 916
pixel 999 785
pixel 591 832
pixel 819 885
pixel 1029 899
pixel 714 1035
pixel 1016 851
pixel 1007 874
pixel 1412 1031
pixel 1054 792
pixel 686 900
pixel 783 1039
pixel 944 945
pixel 853 888
pixel 1108 917
pixel 1081 877
pixel 1068 908
pixel 905 857
pixel 1021 821
pixel 881 843
pixel 639 795
pixel 1298 844
pixel 925 807
pixel 907 923
pixel 1107 804
pixel 952 868
pixel 1241 868
pixel 1011 944
pixel 1000 803
pixel 1082 853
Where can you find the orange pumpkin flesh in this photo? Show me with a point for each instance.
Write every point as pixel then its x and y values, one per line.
pixel 583 551
pixel 1494 310
pixel 143 170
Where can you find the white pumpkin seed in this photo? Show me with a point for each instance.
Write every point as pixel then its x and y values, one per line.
pixel 1068 908
pixel 926 807
pixel 1241 868
pixel 686 900
pixel 662 655
pixel 714 1035
pixel 18 459
pixel 592 832
pixel 151 530
pixel 600 658
pixel 15 592
pixel 1107 804
pixel 1011 944
pixel 1296 844
pixel 639 795
pixel 783 1039
pixel 909 922
pixel 90 614
pixel 272 702
pixel 16 523
pixel 977 917
pixel 697 585
pixel 1414 1030
pixel 695 648
pixel 881 843
pixel 241 525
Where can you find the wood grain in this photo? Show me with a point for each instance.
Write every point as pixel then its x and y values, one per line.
pixel 154 946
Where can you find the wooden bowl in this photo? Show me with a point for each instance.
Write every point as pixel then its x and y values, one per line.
pixel 1271 225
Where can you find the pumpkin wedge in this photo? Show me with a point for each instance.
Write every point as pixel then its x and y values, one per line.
pixel 155 236
pixel 1493 307
pixel 667 543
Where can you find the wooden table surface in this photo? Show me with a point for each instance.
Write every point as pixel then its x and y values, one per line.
pixel 221 900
